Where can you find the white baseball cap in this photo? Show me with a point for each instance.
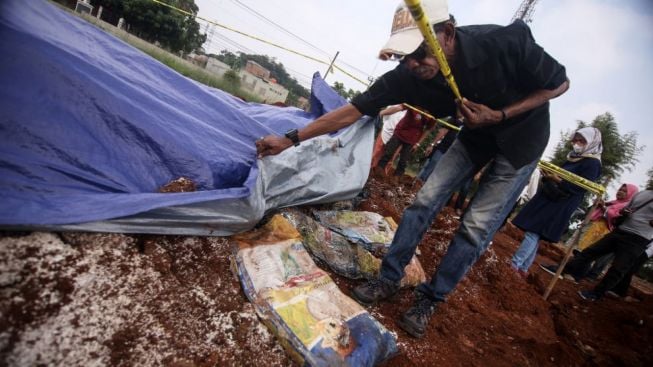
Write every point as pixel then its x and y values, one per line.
pixel 405 37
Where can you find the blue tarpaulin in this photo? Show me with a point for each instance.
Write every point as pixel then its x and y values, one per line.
pixel 91 127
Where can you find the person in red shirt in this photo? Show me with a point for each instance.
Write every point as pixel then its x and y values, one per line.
pixel 409 133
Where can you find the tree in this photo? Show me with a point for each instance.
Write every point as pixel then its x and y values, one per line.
pixel 232 80
pixel 156 23
pixel 228 58
pixel 352 93
pixel 346 94
pixel 649 182
pixel 340 89
pixel 619 151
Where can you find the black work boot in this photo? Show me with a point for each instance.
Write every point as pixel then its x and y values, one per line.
pixel 373 291
pixel 416 319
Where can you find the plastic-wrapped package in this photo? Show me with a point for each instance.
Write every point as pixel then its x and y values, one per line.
pixel 357 255
pixel 364 227
pixel 317 324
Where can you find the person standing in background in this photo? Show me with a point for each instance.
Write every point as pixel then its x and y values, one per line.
pixel 628 241
pixel 546 216
pixel 408 135
pixel 390 117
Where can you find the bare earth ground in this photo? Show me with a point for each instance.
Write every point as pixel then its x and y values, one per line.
pixel 122 300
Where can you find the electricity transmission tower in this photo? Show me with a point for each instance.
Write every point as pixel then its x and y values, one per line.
pixel 525 11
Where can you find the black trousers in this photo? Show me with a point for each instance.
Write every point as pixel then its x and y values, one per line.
pixel 622 287
pixel 390 148
pixel 627 248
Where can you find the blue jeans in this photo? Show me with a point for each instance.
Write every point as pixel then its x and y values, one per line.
pixel 429 166
pixel 525 255
pixel 463 190
pixel 497 192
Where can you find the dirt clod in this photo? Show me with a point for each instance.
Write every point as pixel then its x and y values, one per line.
pixel 181 184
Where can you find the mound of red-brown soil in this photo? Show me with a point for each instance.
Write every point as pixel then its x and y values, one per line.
pixel 495 317
pixel 80 299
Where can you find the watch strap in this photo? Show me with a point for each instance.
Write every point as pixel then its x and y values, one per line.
pixel 293 135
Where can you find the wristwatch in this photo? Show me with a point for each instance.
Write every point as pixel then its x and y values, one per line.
pixel 293 135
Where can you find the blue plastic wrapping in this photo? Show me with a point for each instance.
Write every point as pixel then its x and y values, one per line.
pixel 91 127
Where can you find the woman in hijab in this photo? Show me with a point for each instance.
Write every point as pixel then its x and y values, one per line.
pixel 603 217
pixel 546 216
pixel 602 222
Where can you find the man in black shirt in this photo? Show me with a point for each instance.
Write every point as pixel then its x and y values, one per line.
pixel 507 80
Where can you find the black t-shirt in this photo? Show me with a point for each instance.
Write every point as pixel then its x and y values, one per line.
pixel 495 66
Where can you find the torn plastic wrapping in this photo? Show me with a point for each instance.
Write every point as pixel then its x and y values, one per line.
pixel 317 324
pixel 365 227
pixel 348 256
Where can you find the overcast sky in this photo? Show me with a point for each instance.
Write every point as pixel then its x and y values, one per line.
pixel 606 45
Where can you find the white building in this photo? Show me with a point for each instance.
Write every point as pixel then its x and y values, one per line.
pixel 253 80
pixel 216 66
pixel 268 90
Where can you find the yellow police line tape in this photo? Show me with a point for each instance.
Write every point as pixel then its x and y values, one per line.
pixel 588 185
pixel 415 7
pixel 573 178
pixel 262 40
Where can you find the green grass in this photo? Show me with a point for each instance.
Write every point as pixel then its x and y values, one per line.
pixel 173 61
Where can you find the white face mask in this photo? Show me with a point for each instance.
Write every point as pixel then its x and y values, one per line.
pixel 578 148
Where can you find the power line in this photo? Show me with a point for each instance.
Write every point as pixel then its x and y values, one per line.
pixel 304 76
pixel 261 40
pixel 221 45
pixel 213 32
pixel 235 44
pixel 355 68
pixel 263 17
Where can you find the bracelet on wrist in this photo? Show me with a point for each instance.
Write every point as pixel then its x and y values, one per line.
pixel 503 115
